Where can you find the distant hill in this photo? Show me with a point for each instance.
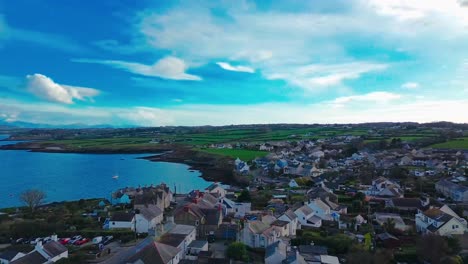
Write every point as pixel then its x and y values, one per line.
pixel 18 124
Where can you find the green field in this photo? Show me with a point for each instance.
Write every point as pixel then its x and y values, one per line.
pixel 243 154
pixel 459 143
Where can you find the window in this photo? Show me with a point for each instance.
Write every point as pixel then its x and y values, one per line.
pixel 196 222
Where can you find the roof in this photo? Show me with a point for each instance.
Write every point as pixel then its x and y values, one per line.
pixel 314 219
pixel 257 227
pixel 306 210
pixel 198 244
pixel 182 229
pixel 122 217
pixel 9 254
pixel 156 253
pixel 316 250
pixel 31 258
pixel 212 216
pixel 280 223
pixel 54 248
pixel 386 236
pixel 327 259
pixel 407 202
pixel 172 239
pixel 149 212
pixel 290 214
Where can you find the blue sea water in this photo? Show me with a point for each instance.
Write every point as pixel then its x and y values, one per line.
pixel 66 176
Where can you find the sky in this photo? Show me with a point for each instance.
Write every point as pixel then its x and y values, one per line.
pixel 164 63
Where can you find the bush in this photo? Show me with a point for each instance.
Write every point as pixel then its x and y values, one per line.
pixel 237 251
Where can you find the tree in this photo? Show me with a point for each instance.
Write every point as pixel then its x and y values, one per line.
pixel 237 251
pixel 389 225
pixel 244 196
pixel 33 198
pixel 432 248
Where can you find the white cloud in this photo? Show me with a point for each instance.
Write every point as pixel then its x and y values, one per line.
pixel 44 87
pixel 378 97
pixel 324 75
pixel 167 68
pixel 410 85
pixel 238 68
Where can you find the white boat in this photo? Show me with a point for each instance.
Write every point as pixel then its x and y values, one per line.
pixel 115 177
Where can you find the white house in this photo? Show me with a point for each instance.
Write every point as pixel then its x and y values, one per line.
pixel 216 188
pixel 238 209
pixel 322 210
pixel 186 233
pixel 121 220
pixel 257 234
pixel 49 252
pixel 292 218
pixel 306 217
pixel 282 227
pixel 442 221
pixel 147 218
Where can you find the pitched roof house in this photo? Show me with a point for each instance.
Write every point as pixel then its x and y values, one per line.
pixel 442 221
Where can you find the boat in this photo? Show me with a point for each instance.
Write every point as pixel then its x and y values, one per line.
pixel 115 177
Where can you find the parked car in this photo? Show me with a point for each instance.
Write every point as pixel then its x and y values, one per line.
pixel 19 240
pixel 64 240
pixel 81 242
pixel 74 239
pixel 97 240
pixel 106 240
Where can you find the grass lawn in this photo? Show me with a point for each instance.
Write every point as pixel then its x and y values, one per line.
pixel 459 143
pixel 243 154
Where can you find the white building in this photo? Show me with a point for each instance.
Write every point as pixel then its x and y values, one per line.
pixel 238 209
pixel 147 218
pixel 257 234
pixel 442 221
pixel 122 221
pixel 306 217
pixel 292 218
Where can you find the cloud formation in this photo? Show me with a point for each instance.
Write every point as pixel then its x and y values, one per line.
pixel 45 88
pixel 167 68
pixel 238 68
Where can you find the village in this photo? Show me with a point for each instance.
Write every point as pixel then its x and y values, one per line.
pixel 307 201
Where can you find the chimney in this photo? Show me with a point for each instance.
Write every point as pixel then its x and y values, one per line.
pixel 39 246
pixel 54 237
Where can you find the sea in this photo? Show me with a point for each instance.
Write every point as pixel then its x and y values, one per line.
pixel 68 176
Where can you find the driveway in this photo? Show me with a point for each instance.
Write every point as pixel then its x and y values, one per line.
pixel 218 248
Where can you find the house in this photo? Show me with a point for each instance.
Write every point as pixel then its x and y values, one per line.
pixel 406 204
pixel 282 227
pixel 10 255
pixel 442 221
pixel 452 190
pixel 206 220
pixel 147 217
pixel 181 236
pixel 120 198
pixel 49 252
pixel 291 217
pixel 316 254
pixel 149 252
pixel 382 187
pixel 121 220
pixel 306 217
pixel 383 218
pixel 159 195
pixel 238 209
pixel 257 234
pixel 275 253
pixel 216 188
pixel 196 246
pixel 241 166
pixel 322 210
pixel 388 240
pixel 293 184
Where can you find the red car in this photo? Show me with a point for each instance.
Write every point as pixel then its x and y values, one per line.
pixel 64 241
pixel 82 241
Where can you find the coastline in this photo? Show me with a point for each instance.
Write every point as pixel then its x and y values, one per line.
pixel 213 168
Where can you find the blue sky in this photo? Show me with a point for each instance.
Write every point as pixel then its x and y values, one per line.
pixel 152 63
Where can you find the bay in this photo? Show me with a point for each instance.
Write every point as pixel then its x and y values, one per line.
pixel 68 176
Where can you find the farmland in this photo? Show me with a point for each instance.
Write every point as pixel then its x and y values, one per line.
pixel 459 143
pixel 242 154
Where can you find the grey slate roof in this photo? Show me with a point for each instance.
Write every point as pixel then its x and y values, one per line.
pixel 54 248
pixel 31 258
pixel 154 253
pixel 9 254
